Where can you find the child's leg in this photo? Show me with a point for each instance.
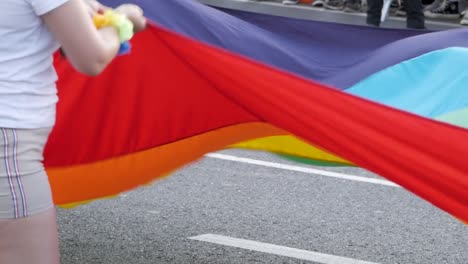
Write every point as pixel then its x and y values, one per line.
pixel 30 240
pixel 28 229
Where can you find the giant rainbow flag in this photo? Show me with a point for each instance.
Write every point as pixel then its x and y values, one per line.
pixel 201 79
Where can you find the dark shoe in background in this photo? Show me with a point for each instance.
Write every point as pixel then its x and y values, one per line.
pixel 290 2
pixel 353 7
pixel 334 4
pixel 446 9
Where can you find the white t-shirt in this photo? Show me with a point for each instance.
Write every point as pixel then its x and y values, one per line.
pixel 28 94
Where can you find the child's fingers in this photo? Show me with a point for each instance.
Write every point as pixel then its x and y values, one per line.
pixel 140 24
pixel 130 9
pixel 135 14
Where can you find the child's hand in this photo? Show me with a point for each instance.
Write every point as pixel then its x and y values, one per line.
pixel 135 14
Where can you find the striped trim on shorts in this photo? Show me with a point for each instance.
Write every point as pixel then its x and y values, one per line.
pixel 24 186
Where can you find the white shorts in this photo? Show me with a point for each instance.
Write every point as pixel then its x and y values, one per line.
pixel 24 186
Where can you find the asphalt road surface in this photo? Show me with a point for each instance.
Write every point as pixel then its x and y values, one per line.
pixel 244 207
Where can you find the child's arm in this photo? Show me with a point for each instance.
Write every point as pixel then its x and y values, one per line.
pixel 89 50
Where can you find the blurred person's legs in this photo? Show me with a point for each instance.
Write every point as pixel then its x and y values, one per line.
pixel 28 229
pixel 463 8
pixel 414 14
pixel 413 8
pixel 462 5
pixel 374 12
pixel 401 10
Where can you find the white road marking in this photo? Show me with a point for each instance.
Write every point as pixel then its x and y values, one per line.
pixel 277 250
pixel 301 169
